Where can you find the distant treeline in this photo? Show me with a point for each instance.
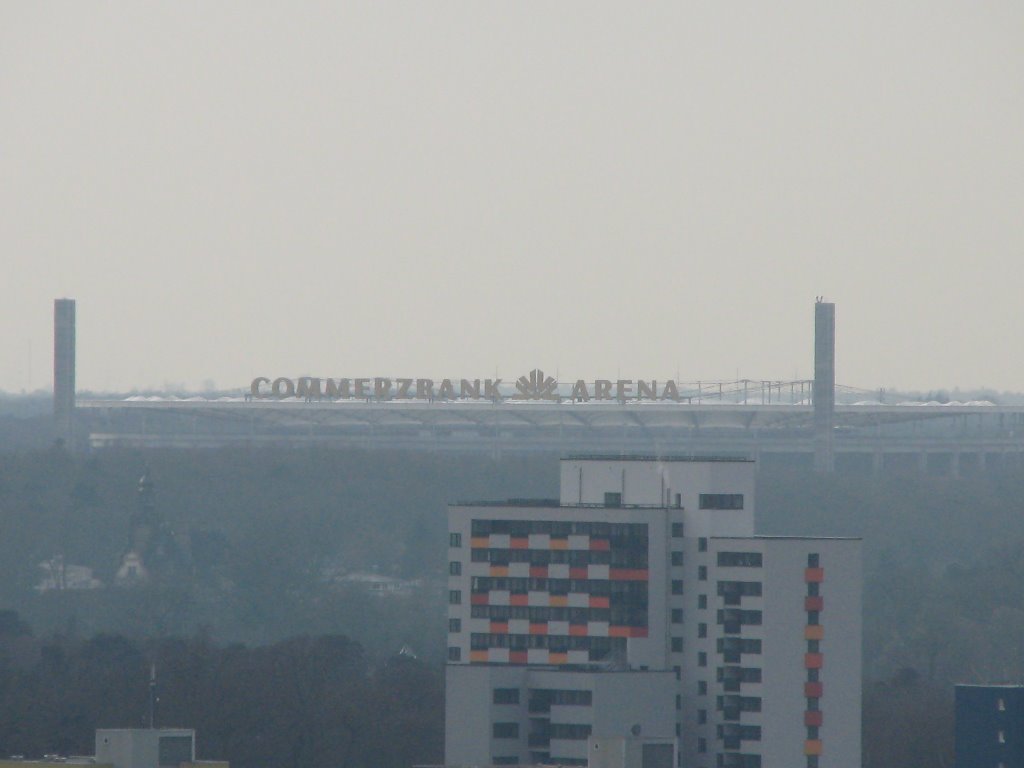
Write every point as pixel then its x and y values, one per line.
pixel 296 703
pixel 264 529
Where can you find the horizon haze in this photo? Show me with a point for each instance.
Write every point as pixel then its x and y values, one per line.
pixel 440 190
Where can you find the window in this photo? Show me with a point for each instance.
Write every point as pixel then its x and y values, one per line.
pixel 812 588
pixel 677 530
pixel 702 744
pixel 507 760
pixel 677 586
pixel 677 558
pixel 570 732
pixel 813 618
pixel 702 602
pixel 702 630
pixel 813 646
pixel 506 695
pixel 813 560
pixel 1001 705
pixel 677 615
pixel 702 659
pixel 454 568
pixel 454 597
pixel 454 625
pixel 1002 737
pixel 679 702
pixel 677 645
pixel 679 672
pixel 505 730
pixel 812 675
pixel 455 540
pixel 721 501
pixel 454 654
pixel 679 729
pixel 702 687
pixel 812 761
pixel 702 573
pixel 702 544
pixel 613 499
pixel 702 717
pixel 739 559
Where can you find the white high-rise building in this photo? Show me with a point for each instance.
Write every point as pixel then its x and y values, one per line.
pixel 641 606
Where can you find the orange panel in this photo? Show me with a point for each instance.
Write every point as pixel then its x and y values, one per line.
pixel 499 627
pixel 814 690
pixel 538 571
pixel 499 570
pixel 814 603
pixel 517 657
pixel 478 598
pixel 814 574
pixel 813 660
pixel 638 631
pixel 477 656
pixel 600 544
pixel 578 573
pixel 559 543
pixel 480 542
pixel 539 629
pixel 812 747
pixel 519 600
pixel 814 719
pixel 558 658
pixel 519 542
pixel 618 631
pixel 599 602
pixel 558 601
pixel 628 574
pixel 577 630
pixel 817 632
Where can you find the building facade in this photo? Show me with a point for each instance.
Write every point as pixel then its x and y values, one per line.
pixel 641 604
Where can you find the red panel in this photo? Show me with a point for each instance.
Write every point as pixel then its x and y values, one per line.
pixel 577 630
pixel 813 718
pixel 499 627
pixel 814 574
pixel 618 631
pixel 578 573
pixel 814 690
pixel 478 598
pixel 814 603
pixel 519 542
pixel 539 629
pixel 628 574
pixel 601 544
pixel 638 631
pixel 599 602
pixel 813 660
pixel 538 571
pixel 519 600
pixel 517 657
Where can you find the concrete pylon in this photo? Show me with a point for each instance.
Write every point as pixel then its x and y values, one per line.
pixel 64 368
pixel 824 385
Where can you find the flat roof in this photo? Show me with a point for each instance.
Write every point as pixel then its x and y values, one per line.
pixel 758 537
pixel 554 504
pixel 674 458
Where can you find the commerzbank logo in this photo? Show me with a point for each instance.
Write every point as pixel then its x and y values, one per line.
pixel 536 387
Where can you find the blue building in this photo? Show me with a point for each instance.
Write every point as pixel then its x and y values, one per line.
pixel 990 726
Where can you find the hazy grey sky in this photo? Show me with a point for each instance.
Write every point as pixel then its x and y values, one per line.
pixel 232 189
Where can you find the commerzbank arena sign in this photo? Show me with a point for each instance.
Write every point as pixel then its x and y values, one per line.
pixel 533 386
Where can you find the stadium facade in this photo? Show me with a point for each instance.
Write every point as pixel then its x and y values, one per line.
pixel 801 422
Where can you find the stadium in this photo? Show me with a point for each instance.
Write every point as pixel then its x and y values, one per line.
pixel 804 422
